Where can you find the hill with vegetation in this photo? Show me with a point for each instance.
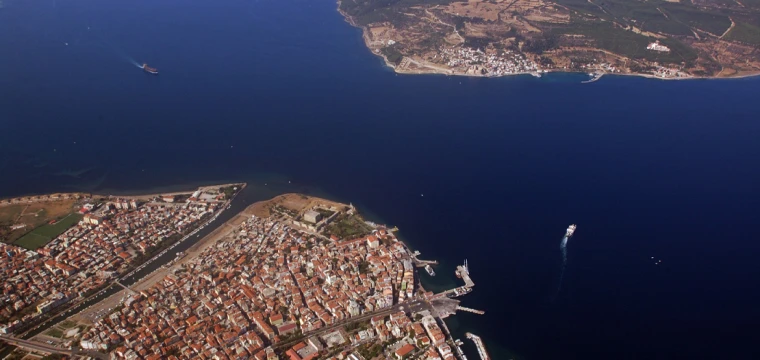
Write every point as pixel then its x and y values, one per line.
pixel 697 38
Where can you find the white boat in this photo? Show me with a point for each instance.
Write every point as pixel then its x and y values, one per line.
pixel 570 231
pixel 429 270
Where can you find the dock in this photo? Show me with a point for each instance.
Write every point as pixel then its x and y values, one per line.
pixel 474 311
pixel 479 344
pixel 423 263
pixel 463 271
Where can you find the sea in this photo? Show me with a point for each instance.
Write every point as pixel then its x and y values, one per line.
pixel 661 177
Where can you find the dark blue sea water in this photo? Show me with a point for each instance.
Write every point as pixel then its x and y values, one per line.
pixel 273 92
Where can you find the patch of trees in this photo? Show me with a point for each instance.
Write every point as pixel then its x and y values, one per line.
pixel 545 61
pixel 477 42
pixel 637 68
pixel 371 352
pixel 540 45
pixel 372 11
pixel 392 54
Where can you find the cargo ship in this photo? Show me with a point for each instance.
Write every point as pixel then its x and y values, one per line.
pixel 149 69
pixel 570 231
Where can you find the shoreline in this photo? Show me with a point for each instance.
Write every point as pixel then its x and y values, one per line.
pixel 128 194
pixel 220 234
pixel 395 69
pixel 549 71
pixel 143 196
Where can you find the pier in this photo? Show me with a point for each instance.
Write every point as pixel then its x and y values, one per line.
pixel 422 263
pixel 474 311
pixel 463 271
pixel 479 344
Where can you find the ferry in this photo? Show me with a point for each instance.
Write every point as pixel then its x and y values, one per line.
pixel 429 270
pixel 570 231
pixel 149 69
pixel 460 291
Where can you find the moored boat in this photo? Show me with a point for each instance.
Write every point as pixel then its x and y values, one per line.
pixel 429 270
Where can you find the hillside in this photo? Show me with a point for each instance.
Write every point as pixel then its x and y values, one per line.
pixel 667 39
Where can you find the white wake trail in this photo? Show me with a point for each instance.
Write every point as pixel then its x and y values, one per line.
pixel 119 52
pixel 563 248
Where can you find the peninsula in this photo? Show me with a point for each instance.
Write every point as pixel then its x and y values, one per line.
pixel 667 39
pixel 295 277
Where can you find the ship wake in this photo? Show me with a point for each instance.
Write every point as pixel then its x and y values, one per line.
pixel 563 248
pixel 120 53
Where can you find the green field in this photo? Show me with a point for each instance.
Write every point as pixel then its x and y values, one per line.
pixel 348 227
pixel 55 332
pixel 43 234
pixel 67 324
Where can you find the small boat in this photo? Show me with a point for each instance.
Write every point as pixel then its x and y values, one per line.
pixel 570 231
pixel 429 270
pixel 149 69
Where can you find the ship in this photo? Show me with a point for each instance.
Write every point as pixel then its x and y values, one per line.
pixel 429 270
pixel 149 69
pixel 570 231
pixel 464 290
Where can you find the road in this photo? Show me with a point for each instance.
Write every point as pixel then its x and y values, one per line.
pixel 413 306
pixel 36 346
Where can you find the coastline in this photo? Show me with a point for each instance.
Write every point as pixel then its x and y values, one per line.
pixel 148 193
pixel 225 230
pixel 436 71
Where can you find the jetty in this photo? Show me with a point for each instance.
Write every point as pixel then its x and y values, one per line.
pixel 463 271
pixel 474 311
pixel 479 344
pixel 594 77
pixel 422 263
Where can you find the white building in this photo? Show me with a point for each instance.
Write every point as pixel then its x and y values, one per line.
pixel 655 46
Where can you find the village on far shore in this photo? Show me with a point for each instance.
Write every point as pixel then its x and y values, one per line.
pixel 491 38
